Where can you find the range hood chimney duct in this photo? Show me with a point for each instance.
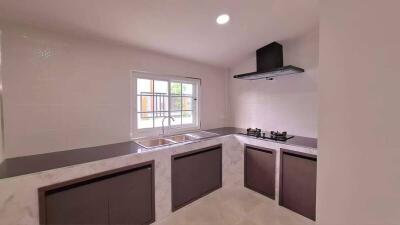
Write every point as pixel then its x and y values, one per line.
pixel 270 64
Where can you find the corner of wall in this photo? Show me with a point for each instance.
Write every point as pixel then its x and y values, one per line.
pixel 287 103
pixel 228 111
pixel 1 108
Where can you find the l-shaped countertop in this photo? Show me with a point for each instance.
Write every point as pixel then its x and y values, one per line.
pixel 31 164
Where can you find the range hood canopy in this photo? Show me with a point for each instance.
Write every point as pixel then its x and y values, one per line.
pixel 270 64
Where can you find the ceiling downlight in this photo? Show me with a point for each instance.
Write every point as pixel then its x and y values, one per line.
pixel 223 19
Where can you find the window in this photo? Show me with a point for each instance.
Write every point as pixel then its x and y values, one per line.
pixel 158 97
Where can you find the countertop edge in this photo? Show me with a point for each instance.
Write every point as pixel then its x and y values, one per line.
pixel 27 165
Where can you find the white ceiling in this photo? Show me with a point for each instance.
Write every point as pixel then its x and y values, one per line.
pixel 183 28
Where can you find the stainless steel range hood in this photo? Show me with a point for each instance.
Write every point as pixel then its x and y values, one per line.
pixel 270 64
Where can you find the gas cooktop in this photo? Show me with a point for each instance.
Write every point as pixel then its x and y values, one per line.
pixel 273 135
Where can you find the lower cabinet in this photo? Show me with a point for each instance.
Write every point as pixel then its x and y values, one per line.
pixel 121 196
pixel 298 182
pixel 259 170
pixel 195 174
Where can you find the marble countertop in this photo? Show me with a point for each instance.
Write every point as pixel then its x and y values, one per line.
pixel 42 162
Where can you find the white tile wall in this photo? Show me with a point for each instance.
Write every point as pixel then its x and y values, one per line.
pixel 63 93
pixel 286 103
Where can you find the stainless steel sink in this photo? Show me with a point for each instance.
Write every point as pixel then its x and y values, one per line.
pixel 156 142
pixel 181 138
pixel 201 134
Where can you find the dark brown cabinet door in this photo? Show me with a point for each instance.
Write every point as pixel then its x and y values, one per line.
pixel 195 174
pixel 130 200
pixel 121 196
pixel 83 204
pixel 298 183
pixel 260 170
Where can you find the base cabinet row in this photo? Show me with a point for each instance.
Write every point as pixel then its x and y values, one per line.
pixel 297 177
pixel 127 195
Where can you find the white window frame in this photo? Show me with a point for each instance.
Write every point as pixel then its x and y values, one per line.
pixel 136 132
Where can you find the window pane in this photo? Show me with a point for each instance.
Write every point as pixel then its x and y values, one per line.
pixel 158 117
pixel 176 103
pixel 187 89
pixel 177 118
pixel 144 103
pixel 187 103
pixel 144 86
pixel 187 117
pixel 161 102
pixel 145 120
pixel 157 99
pixel 160 87
pixel 176 88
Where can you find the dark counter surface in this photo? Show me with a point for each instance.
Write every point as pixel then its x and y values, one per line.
pixel 36 163
pixel 42 162
pixel 295 141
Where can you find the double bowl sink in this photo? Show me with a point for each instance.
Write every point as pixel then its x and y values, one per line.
pixel 175 139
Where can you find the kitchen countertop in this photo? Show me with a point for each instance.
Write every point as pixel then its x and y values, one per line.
pixel 296 140
pixel 36 163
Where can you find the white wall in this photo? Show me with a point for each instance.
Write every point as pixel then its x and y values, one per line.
pixel 359 150
pixel 286 103
pixel 2 157
pixel 64 93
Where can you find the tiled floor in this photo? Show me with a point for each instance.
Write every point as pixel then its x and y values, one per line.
pixel 235 206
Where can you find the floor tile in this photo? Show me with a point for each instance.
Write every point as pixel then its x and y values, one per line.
pixel 234 206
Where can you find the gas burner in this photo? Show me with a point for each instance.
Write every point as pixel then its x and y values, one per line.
pixel 279 136
pixel 273 135
pixel 254 132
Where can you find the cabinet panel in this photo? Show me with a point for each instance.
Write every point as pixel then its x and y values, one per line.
pixel 121 196
pixel 260 170
pixel 77 204
pixel 195 174
pixel 298 183
pixel 131 197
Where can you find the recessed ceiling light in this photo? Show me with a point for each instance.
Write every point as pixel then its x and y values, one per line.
pixel 223 19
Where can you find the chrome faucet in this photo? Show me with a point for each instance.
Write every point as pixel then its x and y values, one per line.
pixel 166 117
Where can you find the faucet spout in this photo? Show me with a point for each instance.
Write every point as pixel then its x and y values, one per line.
pixel 166 117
